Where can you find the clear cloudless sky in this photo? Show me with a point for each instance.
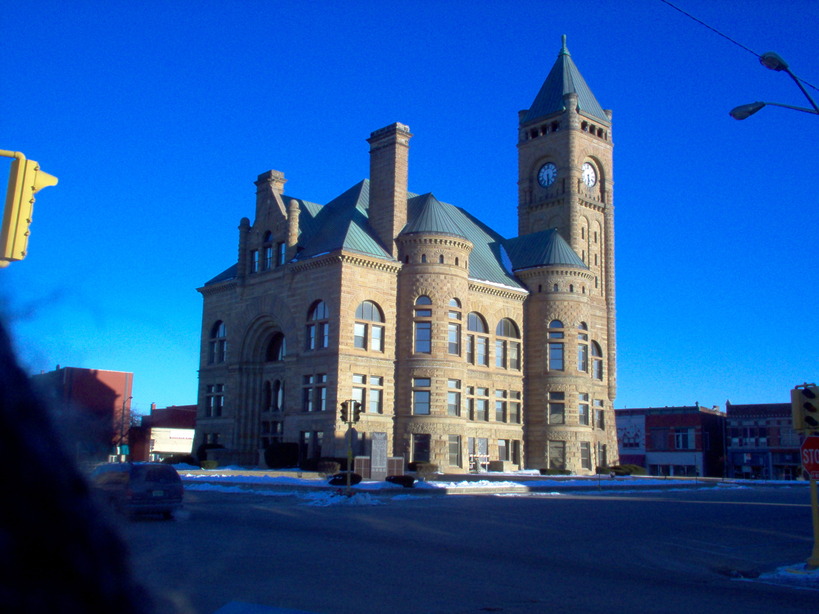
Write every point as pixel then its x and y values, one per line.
pixel 157 118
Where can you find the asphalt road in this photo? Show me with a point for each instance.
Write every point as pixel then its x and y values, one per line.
pixel 663 552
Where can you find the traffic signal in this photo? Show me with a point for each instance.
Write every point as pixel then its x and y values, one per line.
pixel 25 180
pixel 805 408
pixel 344 411
pixel 356 411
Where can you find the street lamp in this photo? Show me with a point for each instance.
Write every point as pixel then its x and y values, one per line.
pixel 773 61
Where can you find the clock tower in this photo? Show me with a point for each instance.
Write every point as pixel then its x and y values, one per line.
pixel 565 195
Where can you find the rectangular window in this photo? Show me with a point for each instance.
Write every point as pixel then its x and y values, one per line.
pixel 500 406
pixel 556 357
pixel 599 414
pixel 376 405
pixel 514 407
pixel 482 404
pixel 453 397
pixel 420 447
pixel 557 407
pixel 557 454
pixel 583 408
pixel 482 351
pixel 583 357
pixel 585 455
pixel 214 400
pixel 684 439
pixel 421 396
pixel 281 257
pixel 454 339
pixel 268 257
pixel 314 392
pixel 423 337
pixel 254 261
pixel 514 355
pixel 602 459
pixel 360 336
pixel 500 353
pixel 324 334
pixel 659 439
pixel 470 349
pixel 455 451
pixel 503 449
pixel 376 338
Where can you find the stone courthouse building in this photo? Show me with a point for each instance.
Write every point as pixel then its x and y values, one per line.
pixel 464 347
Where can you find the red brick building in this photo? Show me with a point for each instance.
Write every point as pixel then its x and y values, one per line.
pixel 91 408
pixel 762 443
pixel 673 441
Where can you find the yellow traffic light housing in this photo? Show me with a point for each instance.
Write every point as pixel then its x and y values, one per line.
pixel 25 180
pixel 805 408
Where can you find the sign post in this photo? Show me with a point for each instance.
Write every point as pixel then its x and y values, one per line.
pixel 809 453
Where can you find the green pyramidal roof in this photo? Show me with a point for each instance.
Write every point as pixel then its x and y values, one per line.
pixel 564 78
pixel 544 248
pixel 429 215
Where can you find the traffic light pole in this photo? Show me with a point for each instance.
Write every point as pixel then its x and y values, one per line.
pixel 350 413
pixel 813 561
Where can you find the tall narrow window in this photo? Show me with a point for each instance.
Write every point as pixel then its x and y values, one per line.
pixel 368 331
pixel 477 345
pixel 454 327
pixel 583 347
pixel 314 392
pixel 557 454
pixel 482 404
pixel 455 451
pixel 583 408
pixel 218 343
pixel 214 400
pixel 514 407
pixel 507 345
pixel 281 253
pixel 585 455
pixel 267 249
pixel 318 326
pixel 453 397
pixel 421 396
pixel 500 407
pixel 597 360
pixel 420 447
pixel 369 391
pixel 555 354
pixel 599 414
pixel 422 325
pixel 557 407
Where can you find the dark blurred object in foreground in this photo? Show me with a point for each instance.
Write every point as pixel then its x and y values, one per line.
pixel 57 553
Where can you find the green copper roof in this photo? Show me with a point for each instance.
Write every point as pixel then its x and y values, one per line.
pixel 544 248
pixel 564 78
pixel 426 214
pixel 343 224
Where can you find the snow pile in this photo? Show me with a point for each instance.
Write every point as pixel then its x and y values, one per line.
pixel 337 497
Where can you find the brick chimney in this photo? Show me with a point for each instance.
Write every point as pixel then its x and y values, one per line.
pixel 389 159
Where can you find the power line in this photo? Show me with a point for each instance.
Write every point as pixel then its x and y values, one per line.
pixel 725 36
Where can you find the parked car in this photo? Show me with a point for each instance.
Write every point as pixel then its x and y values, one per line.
pixel 139 488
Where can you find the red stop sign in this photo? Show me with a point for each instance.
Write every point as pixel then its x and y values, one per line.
pixel 810 456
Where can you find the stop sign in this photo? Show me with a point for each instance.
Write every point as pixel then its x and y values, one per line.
pixel 810 456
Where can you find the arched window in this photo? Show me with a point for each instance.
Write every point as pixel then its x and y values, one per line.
pixel 218 343
pixel 507 345
pixel 422 325
pixel 276 348
pixel 597 360
pixel 454 327
pixel 267 250
pixel 555 355
pixel 477 340
pixel 583 347
pixel 368 330
pixel 318 326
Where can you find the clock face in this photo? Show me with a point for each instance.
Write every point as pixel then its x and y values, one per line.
pixel 547 174
pixel 589 175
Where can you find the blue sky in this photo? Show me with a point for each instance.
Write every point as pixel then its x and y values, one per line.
pixel 157 118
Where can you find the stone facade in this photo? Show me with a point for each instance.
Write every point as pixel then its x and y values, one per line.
pixel 455 368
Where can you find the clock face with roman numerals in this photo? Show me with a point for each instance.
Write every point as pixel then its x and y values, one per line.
pixel 589 175
pixel 547 174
